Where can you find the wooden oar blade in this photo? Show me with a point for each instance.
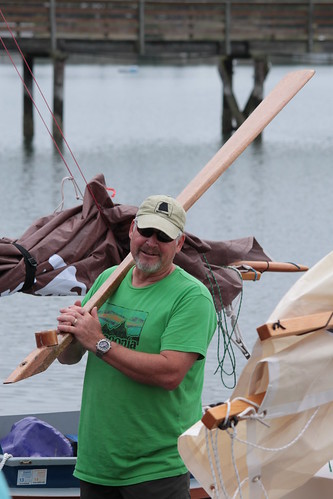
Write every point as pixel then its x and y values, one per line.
pixel 263 114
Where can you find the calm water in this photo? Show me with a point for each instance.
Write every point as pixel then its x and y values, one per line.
pixel 151 131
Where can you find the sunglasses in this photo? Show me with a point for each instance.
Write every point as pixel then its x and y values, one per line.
pixel 161 237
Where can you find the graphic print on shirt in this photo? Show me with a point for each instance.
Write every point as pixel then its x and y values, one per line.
pixel 122 325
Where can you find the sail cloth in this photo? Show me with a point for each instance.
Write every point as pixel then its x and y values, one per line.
pixel 66 251
pixel 296 372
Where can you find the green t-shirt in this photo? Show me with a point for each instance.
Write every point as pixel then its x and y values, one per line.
pixel 128 430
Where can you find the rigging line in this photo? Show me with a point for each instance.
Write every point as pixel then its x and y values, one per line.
pixel 49 109
pixel 34 103
pixel 227 338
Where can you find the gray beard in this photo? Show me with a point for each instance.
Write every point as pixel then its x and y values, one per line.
pixel 146 267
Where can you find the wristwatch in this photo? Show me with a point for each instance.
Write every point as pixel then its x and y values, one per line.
pixel 102 346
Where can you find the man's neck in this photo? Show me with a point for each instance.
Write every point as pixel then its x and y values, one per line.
pixel 141 279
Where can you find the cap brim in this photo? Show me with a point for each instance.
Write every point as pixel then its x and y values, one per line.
pixel 159 223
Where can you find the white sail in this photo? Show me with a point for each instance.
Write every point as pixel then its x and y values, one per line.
pixel 296 375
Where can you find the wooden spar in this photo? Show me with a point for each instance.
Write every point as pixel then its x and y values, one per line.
pixel 248 275
pixel 252 270
pixel 263 266
pixel 296 325
pixel 275 101
pixel 214 416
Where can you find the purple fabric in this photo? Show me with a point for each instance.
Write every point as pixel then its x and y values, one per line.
pixel 31 437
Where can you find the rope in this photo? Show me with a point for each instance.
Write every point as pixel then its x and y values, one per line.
pixel 239 488
pixel 49 109
pixel 224 337
pixel 4 459
pixel 295 264
pixel 273 449
pixel 61 205
pixel 251 414
pixel 258 480
pixel 216 489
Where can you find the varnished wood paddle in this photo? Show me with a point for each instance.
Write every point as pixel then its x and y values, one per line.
pixel 40 359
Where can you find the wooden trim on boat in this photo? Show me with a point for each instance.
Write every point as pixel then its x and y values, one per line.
pixel 199 493
pixel 296 325
pixel 44 494
pixel 196 493
pixel 215 416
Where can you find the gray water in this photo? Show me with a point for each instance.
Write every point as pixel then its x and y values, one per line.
pixel 151 131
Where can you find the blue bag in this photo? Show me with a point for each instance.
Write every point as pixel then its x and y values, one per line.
pixel 31 437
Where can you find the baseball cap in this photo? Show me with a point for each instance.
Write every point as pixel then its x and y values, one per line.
pixel 163 213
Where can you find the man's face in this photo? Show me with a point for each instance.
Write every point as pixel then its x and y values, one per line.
pixel 151 255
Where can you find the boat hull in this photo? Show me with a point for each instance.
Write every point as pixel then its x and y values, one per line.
pixel 46 478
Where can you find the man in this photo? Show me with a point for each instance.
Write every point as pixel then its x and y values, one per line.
pixel 145 366
pixel 4 490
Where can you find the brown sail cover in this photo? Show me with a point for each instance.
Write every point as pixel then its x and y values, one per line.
pixel 66 251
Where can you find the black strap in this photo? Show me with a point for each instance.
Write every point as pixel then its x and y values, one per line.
pixel 30 267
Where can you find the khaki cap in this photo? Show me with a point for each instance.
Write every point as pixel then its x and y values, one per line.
pixel 163 213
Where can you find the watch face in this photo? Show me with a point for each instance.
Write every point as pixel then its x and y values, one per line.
pixel 102 347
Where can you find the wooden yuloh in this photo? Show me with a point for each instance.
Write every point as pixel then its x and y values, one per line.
pixel 285 90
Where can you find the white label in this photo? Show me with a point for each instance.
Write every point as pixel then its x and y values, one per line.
pixel 32 477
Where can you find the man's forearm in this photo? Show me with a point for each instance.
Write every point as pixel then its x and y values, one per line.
pixel 72 354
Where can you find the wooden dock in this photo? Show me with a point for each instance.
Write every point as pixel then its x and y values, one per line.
pixel 159 30
pixel 168 32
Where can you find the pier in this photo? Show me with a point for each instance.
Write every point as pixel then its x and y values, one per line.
pixel 168 32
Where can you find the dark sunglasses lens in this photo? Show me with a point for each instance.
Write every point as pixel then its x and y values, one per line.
pixel 146 232
pixel 163 238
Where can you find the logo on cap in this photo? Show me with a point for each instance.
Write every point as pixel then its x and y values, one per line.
pixel 163 208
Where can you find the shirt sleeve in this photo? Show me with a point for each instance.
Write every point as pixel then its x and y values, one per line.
pixel 191 325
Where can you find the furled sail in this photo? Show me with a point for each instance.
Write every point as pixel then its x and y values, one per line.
pixel 277 447
pixel 63 253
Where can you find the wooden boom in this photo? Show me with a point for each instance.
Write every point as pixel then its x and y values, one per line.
pixel 40 359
